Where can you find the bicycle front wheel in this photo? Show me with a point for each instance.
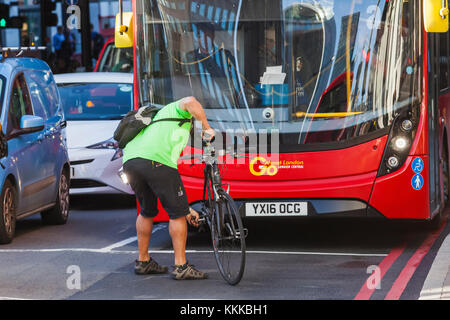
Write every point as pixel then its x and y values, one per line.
pixel 228 239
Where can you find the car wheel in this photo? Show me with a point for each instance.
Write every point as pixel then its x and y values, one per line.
pixel 60 212
pixel 8 213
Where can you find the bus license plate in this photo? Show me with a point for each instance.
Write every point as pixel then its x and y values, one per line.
pixel 276 209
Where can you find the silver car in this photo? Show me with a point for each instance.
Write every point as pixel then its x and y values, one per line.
pixel 94 103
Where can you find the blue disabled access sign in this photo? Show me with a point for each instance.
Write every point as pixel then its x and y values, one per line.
pixel 417 182
pixel 417 165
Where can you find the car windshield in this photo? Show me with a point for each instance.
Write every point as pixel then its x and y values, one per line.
pixel 320 72
pixel 96 101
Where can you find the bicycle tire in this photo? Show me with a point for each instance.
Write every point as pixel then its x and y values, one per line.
pixel 228 238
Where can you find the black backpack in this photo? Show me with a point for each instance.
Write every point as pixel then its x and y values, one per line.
pixel 136 120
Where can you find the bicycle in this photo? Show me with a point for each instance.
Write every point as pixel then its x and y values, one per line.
pixel 220 213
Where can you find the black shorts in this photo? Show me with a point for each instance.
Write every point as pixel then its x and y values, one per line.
pixel 151 180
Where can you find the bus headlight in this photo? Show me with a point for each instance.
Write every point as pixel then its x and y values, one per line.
pixel 407 125
pixel 393 162
pixel 400 143
pixel 401 137
pixel 123 176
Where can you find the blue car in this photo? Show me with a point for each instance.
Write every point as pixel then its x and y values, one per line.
pixel 34 163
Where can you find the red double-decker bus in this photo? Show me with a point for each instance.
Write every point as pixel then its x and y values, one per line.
pixel 357 93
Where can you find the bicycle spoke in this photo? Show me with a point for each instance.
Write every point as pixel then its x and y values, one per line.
pixel 227 232
pixel 228 240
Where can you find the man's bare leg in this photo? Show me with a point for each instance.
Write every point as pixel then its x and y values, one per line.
pixel 178 232
pixel 144 227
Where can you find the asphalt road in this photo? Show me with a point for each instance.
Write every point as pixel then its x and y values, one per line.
pixel 92 257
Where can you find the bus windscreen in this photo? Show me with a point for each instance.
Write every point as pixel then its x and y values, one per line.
pixel 321 73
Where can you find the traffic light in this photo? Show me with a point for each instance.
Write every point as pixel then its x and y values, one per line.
pixel 15 22
pixel 4 15
pixel 9 22
pixel 49 19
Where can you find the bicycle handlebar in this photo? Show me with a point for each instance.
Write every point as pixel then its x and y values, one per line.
pixel 207 138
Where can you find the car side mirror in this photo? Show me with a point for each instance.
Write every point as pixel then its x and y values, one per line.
pixel 29 124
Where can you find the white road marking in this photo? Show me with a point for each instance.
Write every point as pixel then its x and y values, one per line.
pixel 110 249
pixel 103 250
pixel 321 253
pixel 118 244
pixel 285 253
pixel 122 243
pixel 55 250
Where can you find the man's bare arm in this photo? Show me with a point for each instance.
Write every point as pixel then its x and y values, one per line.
pixel 191 105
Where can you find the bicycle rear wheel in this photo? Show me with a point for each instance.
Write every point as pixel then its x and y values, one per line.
pixel 228 239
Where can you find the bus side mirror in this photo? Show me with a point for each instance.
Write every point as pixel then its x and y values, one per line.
pixel 436 15
pixel 123 33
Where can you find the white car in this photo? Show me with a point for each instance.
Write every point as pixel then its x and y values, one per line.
pixel 94 103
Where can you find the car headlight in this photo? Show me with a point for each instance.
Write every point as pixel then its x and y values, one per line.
pixel 107 144
pixel 117 155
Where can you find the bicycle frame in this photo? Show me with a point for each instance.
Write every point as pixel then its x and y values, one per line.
pixel 220 213
pixel 212 174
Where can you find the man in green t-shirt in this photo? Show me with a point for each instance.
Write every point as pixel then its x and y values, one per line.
pixel 150 162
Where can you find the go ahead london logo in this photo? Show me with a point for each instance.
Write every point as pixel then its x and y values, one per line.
pixel 260 166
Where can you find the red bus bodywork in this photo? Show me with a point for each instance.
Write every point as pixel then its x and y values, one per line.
pixel 345 174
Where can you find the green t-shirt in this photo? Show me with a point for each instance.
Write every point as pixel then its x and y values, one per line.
pixel 162 141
